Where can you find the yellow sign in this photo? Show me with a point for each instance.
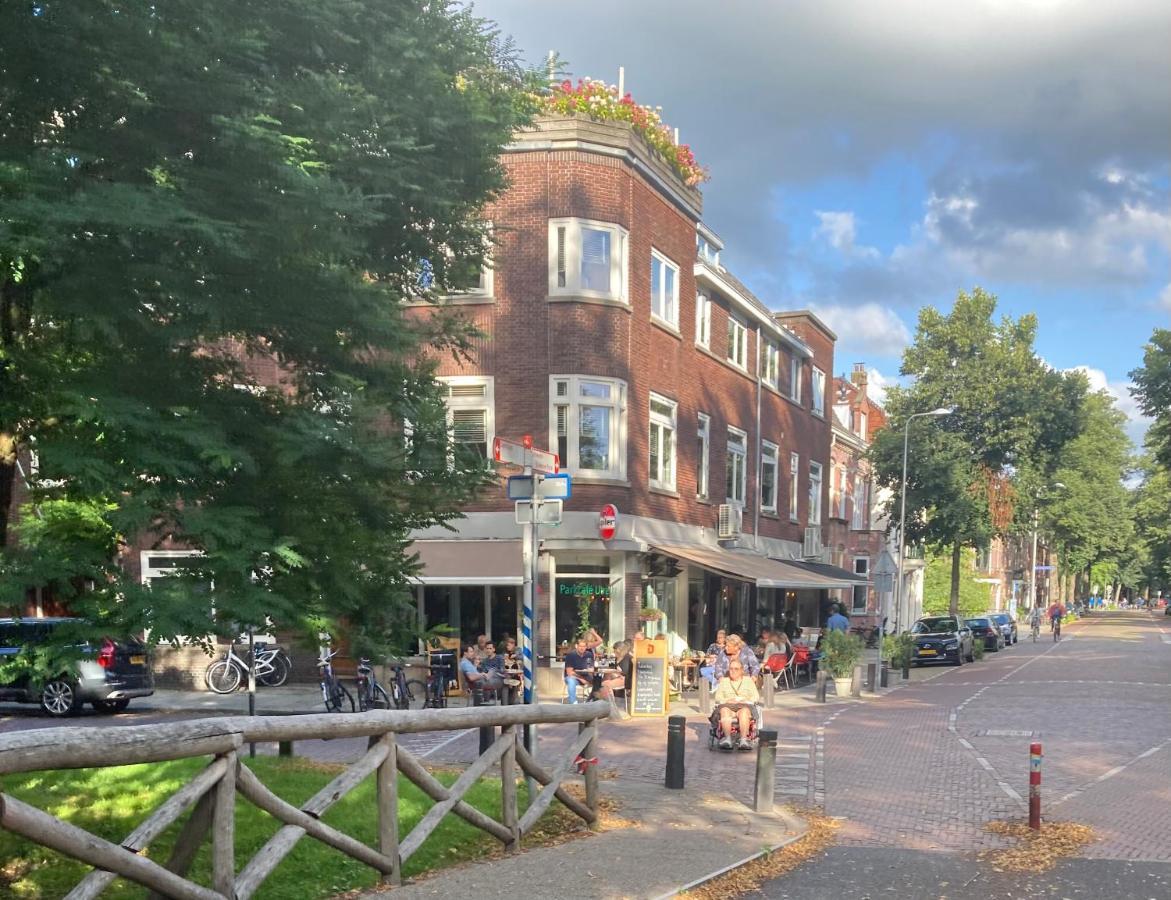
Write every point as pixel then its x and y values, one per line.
pixel 649 690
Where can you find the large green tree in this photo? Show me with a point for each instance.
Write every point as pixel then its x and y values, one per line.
pixel 197 197
pixel 1152 389
pixel 1012 414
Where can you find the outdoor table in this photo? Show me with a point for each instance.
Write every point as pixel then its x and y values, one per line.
pixel 683 675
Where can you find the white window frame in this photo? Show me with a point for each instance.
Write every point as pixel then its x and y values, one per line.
pixel 703 433
pixel 862 590
pixel 664 429
pixel 816 474
pixel 859 520
pixel 841 480
pixel 772 364
pixel 862 421
pixel 619 248
pixel 486 289
pixel 737 349
pixel 667 302
pixel 817 401
pixel 770 456
pixel 796 370
pixel 737 449
pixel 794 486
pixel 485 402
pixel 573 399
pixel 703 320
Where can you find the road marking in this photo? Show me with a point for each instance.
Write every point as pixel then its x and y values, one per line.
pixel 1106 776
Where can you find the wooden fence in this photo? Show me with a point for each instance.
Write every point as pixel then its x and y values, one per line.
pixel 211 794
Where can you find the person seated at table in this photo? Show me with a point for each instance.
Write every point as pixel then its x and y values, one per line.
pixel 774 646
pixel 481 643
pixel 579 668
pixel 735 696
pixel 491 679
pixel 708 669
pixel 616 681
pixel 734 649
pixel 510 653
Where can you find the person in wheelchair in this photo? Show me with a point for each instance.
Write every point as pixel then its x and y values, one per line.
pixel 735 697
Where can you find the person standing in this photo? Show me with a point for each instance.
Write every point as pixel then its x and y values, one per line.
pixel 836 621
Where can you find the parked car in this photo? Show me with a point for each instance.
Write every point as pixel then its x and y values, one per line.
pixel 941 639
pixel 987 630
pixel 108 676
pixel 1007 626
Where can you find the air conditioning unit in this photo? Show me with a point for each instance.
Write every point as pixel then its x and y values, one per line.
pixel 731 520
pixel 812 546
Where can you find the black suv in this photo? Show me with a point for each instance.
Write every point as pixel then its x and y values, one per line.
pixel 107 676
pixel 941 639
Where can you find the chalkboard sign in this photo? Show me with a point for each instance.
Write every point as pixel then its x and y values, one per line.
pixel 650 679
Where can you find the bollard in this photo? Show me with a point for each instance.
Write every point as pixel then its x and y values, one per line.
pixel 819 690
pixel 487 732
pixel 767 687
pixel 675 738
pixel 856 682
pixel 871 677
pixel 906 672
pixel 705 696
pixel 1035 785
pixel 884 675
pixel 766 772
pixel 284 748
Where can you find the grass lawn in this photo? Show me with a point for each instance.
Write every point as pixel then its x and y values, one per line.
pixel 111 802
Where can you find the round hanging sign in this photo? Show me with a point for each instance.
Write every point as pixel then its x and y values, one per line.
pixel 608 521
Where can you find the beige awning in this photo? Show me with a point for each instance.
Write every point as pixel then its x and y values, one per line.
pixel 760 570
pixel 468 562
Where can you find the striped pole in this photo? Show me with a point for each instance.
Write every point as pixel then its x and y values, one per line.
pixel 1035 785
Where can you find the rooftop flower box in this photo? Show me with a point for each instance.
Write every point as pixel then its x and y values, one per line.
pixel 601 102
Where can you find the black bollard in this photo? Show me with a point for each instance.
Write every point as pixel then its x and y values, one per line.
pixel 675 738
pixel 766 772
pixel 884 675
pixel 871 677
pixel 907 672
pixel 819 690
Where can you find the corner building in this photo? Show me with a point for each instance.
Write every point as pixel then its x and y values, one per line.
pixel 613 336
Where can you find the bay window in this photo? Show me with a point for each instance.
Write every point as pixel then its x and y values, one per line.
pixel 587 259
pixel 588 424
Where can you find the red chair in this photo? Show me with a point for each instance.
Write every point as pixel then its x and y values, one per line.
pixel 779 667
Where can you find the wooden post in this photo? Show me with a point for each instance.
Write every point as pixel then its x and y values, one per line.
pixel 591 770
pixel 387 787
pixel 856 682
pixel 508 807
pixel 768 686
pixel 223 831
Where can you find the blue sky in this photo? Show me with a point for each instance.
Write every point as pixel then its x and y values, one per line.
pixel 868 159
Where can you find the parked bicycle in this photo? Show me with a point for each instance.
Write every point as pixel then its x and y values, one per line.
pixel 371 695
pixel 442 663
pixel 226 674
pixel 333 693
pixel 406 693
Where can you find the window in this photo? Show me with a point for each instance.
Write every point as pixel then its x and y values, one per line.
pixel 818 398
pixel 707 252
pixel 588 422
pixel 736 470
pixel 467 278
pixel 814 493
pixel 587 258
pixel 861 591
pixel 861 517
pixel 703 455
pixel 770 363
pixel 737 343
pixel 664 289
pixel 794 476
pixel 703 320
pixel 862 424
pixel 471 418
pixel 662 442
pixel 768 477
pixel 795 368
pixel 839 496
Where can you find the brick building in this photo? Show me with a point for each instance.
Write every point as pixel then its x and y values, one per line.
pixel 613 335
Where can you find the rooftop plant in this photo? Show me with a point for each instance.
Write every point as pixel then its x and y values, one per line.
pixel 601 101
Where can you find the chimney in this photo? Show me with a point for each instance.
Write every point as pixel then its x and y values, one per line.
pixel 859 377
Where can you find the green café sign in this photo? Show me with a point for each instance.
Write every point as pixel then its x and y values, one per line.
pixel 586 590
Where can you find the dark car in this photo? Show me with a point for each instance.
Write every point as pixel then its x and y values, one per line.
pixel 941 639
pixel 108 675
pixel 1007 626
pixel 987 630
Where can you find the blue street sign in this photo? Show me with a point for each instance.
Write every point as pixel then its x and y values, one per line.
pixel 550 487
pixel 1043 568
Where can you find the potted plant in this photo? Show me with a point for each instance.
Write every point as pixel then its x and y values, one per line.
pixel 900 651
pixel 651 614
pixel 840 653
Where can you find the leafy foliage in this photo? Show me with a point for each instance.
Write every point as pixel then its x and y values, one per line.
pixel 1152 389
pixel 841 652
pixel 974 597
pixel 210 216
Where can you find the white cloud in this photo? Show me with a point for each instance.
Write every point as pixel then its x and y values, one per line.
pixel 840 230
pixel 877 384
pixel 871 327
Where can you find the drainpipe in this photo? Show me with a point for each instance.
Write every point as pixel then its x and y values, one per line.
pixel 756 504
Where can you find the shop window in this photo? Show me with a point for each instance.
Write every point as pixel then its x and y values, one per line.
pixel 582 602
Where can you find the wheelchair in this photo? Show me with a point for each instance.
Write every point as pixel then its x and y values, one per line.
pixel 716 732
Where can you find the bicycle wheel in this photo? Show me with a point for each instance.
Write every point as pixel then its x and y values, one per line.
pixel 222 676
pixel 416 696
pixel 379 699
pixel 279 674
pixel 340 700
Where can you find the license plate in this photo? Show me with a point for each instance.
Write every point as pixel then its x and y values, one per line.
pixel 138 660
pixel 927 653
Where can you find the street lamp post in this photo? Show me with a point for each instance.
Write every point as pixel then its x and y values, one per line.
pixel 898 591
pixel 1033 556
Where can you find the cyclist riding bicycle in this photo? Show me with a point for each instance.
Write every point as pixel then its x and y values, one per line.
pixel 1035 618
pixel 1056 613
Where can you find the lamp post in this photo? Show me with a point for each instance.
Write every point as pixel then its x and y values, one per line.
pixel 898 592
pixel 1033 557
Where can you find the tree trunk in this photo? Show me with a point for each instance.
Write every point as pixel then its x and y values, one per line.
pixel 7 488
pixel 954 601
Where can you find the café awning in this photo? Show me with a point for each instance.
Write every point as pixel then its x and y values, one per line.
pixel 841 578
pixel 760 570
pixel 468 562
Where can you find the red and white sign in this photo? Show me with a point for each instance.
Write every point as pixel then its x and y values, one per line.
pixel 608 521
pixel 522 455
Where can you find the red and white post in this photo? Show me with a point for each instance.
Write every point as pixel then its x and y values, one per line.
pixel 1035 785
